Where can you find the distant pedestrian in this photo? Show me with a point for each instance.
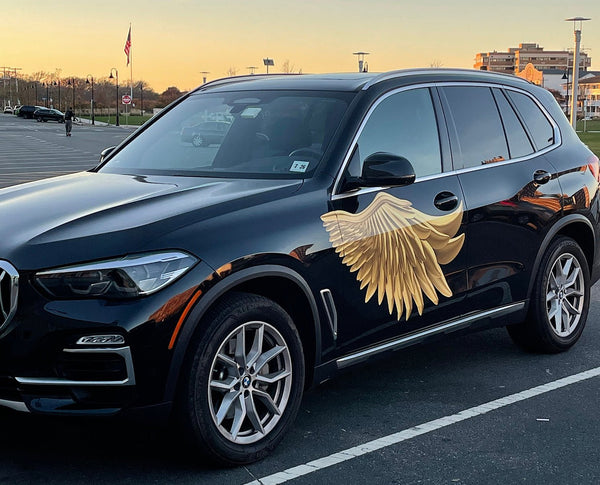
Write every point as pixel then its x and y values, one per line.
pixel 69 115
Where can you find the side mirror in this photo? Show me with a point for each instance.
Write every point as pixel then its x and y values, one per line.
pixel 382 169
pixel 106 152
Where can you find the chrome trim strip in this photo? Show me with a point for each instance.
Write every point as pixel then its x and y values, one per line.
pixel 338 178
pixel 8 271
pixel 330 310
pixel 451 325
pixel 124 352
pixel 16 405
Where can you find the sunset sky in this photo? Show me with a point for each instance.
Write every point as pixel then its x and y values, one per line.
pixel 174 41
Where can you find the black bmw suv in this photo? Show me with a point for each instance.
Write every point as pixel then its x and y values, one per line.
pixel 339 218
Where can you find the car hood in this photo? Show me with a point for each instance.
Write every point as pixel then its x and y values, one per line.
pixel 87 216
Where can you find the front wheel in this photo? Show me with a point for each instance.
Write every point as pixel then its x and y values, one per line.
pixel 199 141
pixel 559 302
pixel 243 380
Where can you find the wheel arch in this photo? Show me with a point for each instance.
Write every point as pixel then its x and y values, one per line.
pixel 577 227
pixel 279 283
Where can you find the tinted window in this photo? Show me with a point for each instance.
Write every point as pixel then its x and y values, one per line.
pixel 252 134
pixel 518 142
pixel 403 124
pixel 479 133
pixel 538 125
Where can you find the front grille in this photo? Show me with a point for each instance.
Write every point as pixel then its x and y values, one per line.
pixel 9 288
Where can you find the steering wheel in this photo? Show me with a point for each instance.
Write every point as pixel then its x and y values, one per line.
pixel 307 152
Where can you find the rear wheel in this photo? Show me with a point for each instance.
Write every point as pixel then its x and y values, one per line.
pixel 559 301
pixel 243 380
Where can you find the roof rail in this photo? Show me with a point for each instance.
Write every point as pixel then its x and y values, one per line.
pixel 234 79
pixel 384 76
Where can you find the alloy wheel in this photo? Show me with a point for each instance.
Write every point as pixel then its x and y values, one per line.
pixel 250 381
pixel 565 295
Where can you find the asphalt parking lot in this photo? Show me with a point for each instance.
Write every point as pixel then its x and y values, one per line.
pixel 467 410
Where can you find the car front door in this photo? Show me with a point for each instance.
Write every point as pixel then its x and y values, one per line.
pixel 401 262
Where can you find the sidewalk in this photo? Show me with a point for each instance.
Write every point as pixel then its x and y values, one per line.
pixel 87 121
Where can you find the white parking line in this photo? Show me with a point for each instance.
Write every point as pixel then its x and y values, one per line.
pixel 392 439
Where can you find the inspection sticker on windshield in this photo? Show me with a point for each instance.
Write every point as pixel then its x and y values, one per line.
pixel 298 166
pixel 250 112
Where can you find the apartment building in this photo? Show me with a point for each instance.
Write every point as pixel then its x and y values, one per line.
pixel 515 59
pixel 589 90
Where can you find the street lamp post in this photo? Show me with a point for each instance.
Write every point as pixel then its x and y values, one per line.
pixel 57 83
pixel 362 65
pixel 566 78
pixel 575 90
pixel 117 79
pixel 268 62
pixel 47 94
pixel 87 81
pixel 71 82
pixel 142 98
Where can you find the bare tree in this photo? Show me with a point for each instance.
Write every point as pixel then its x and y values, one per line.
pixel 232 71
pixel 288 68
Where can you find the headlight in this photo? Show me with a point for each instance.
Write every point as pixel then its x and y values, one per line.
pixel 127 277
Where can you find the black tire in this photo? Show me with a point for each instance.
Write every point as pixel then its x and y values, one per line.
pixel 559 301
pixel 207 416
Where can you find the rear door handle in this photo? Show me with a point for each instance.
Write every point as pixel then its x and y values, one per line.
pixel 541 177
pixel 445 201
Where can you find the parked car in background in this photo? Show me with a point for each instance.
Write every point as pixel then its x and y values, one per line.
pixel 341 218
pixel 26 111
pixel 205 133
pixel 9 110
pixel 49 114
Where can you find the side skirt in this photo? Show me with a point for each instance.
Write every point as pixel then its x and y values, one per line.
pixel 418 336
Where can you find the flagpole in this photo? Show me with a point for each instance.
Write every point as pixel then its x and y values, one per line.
pixel 131 70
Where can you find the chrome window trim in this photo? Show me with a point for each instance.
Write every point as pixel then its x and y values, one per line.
pixel 455 324
pixel 386 76
pixel 336 194
pixel 124 352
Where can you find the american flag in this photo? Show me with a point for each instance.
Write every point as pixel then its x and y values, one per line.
pixel 128 44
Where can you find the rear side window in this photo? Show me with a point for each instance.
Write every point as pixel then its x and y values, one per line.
pixel 518 141
pixel 478 133
pixel 536 122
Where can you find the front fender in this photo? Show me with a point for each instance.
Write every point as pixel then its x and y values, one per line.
pixel 221 287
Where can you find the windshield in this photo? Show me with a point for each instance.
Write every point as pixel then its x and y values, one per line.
pixel 266 134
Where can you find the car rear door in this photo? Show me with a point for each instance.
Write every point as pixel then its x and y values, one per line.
pixel 511 191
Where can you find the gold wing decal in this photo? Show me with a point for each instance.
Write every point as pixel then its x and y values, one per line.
pixel 396 250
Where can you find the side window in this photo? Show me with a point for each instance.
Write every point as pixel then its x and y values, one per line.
pixel 518 141
pixel 479 132
pixel 403 124
pixel 538 125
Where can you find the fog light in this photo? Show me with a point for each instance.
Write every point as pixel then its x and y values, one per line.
pixel 101 340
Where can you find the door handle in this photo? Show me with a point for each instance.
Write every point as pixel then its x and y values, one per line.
pixel 445 201
pixel 541 177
